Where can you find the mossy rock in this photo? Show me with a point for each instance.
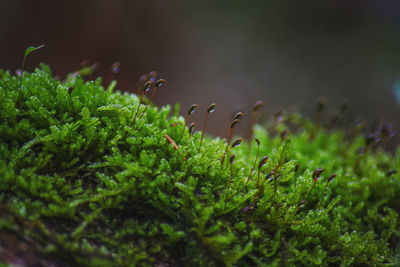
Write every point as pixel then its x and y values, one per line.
pixel 91 177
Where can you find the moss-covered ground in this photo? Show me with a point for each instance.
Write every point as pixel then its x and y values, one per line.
pixel 90 177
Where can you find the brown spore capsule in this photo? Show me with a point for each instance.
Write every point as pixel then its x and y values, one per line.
pixel 159 83
pixel 234 122
pixel 262 162
pixel 296 168
pixel 315 177
pixel 329 180
pixel 210 109
pixel 151 77
pixel 238 115
pixel 316 174
pixel 301 203
pixel 146 88
pixel 234 144
pixel 142 80
pixel 268 177
pixel 237 142
pixel 232 158
pixel 256 107
pixel 191 110
pixel 115 68
pixel 191 127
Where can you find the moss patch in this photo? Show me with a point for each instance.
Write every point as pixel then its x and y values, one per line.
pixel 84 182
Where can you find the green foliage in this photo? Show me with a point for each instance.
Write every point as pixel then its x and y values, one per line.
pixel 30 49
pixel 84 184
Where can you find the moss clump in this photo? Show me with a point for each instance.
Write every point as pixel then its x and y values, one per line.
pixel 82 183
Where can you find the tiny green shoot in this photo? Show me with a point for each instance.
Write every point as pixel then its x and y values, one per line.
pixel 29 50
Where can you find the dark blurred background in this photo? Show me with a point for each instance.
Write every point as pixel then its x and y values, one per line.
pixel 286 53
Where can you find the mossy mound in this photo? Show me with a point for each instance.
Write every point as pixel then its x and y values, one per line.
pixel 84 183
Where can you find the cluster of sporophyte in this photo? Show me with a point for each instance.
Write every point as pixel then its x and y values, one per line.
pixel 93 176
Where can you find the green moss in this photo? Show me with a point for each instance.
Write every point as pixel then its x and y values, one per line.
pixel 84 184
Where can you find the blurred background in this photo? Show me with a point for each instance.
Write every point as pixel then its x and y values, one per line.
pixel 285 53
